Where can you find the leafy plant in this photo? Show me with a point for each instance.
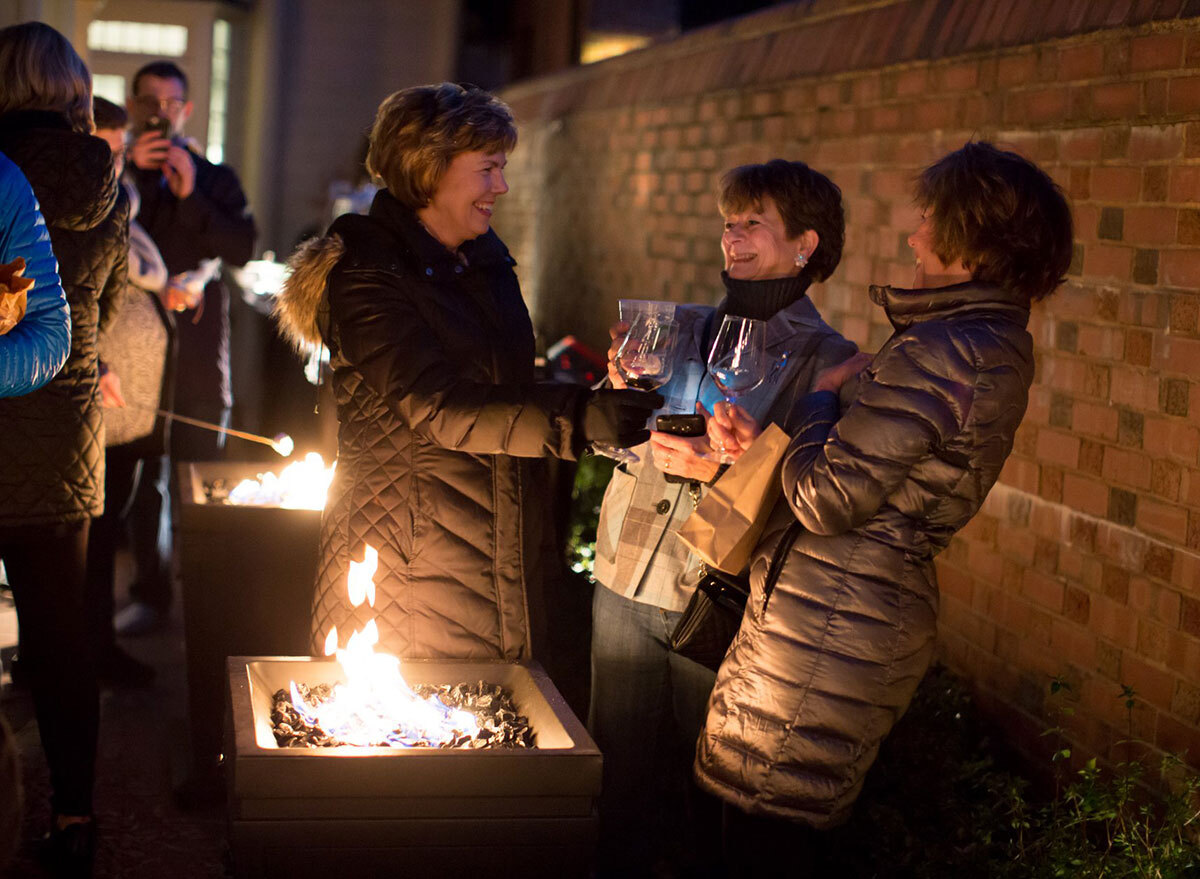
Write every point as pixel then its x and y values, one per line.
pixel 591 478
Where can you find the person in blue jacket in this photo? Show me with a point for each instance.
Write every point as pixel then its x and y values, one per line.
pixel 36 348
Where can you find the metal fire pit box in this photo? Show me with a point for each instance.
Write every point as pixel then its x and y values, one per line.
pixel 411 812
pixel 247 574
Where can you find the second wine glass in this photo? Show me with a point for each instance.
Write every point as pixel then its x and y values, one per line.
pixel 645 361
pixel 737 362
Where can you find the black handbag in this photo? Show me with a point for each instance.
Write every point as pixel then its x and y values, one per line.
pixel 714 613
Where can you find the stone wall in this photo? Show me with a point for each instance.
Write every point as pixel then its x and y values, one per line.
pixel 1085 561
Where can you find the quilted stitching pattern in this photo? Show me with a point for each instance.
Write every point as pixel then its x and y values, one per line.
pixel 52 445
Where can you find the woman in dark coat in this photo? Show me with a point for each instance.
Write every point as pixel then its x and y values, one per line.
pixel 441 423
pixel 827 662
pixel 52 440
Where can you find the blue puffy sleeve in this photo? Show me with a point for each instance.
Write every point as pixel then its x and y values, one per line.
pixel 33 351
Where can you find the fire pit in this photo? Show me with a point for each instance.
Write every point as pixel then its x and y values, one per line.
pixel 247 575
pixel 379 811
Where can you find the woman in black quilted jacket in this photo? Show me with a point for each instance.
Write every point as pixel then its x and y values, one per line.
pixel 825 664
pixel 441 422
pixel 52 440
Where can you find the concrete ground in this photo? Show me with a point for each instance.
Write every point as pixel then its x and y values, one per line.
pixel 142 755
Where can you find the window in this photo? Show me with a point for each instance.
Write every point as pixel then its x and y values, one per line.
pixel 110 86
pixel 138 38
pixel 218 93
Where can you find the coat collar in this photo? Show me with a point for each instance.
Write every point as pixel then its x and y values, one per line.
pixel 782 329
pixel 907 307
pixel 430 257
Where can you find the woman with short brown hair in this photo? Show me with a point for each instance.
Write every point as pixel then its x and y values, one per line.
pixel 432 354
pixel 825 663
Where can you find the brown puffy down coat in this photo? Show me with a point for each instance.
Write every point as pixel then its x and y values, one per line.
pixel 52 440
pixel 441 424
pixel 825 664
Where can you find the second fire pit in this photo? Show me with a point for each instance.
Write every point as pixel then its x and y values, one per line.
pixel 300 812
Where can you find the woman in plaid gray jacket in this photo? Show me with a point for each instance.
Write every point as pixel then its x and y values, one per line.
pixel 784 229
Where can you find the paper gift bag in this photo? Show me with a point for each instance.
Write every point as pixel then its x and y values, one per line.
pixel 729 520
pixel 13 290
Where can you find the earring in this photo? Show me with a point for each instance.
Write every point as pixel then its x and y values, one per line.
pixel 801 259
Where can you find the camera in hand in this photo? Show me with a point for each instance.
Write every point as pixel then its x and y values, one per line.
pixel 681 425
pixel 160 125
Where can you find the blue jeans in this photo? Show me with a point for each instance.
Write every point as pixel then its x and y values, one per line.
pixel 647 710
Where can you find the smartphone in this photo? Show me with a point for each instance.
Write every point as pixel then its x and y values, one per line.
pixel 681 425
pixel 159 124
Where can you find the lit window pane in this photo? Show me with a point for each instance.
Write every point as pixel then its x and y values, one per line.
pixel 110 87
pixel 138 38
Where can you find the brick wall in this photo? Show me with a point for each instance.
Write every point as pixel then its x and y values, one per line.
pixel 1085 560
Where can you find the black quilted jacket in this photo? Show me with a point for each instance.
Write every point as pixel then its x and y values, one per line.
pixel 52 441
pixel 440 423
pixel 820 672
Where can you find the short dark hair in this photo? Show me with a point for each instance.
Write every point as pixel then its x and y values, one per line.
pixel 806 199
pixel 108 114
pixel 161 69
pixel 1000 214
pixel 419 130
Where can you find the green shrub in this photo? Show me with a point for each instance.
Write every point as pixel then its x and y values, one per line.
pixel 939 803
pixel 591 478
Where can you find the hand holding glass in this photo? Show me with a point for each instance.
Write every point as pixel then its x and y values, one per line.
pixel 645 362
pixel 738 360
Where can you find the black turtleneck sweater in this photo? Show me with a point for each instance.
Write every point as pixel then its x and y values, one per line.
pixel 762 299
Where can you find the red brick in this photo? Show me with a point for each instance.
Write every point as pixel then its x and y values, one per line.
pixel 1178 738
pixel 958 77
pixel 1180 268
pixel 912 82
pixel 1091 419
pixel 1085 495
pixel 1048 104
pixel 1057 448
pixel 1116 100
pixel 1168 521
pixel 1184 185
pixel 1154 98
pixel 1127 467
pixel 1149 142
pixel 1150 225
pixel 1082 144
pixel 1081 62
pixel 1183 94
pixel 1016 69
pixel 1043 589
pixel 1113 621
pixel 1153 684
pixel 1116 183
pixel 1156 52
pixel 1181 355
pixel 1108 262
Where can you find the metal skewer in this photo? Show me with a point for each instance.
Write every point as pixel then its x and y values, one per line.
pixel 282 444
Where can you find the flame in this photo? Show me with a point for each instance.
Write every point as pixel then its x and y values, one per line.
pixel 361 582
pixel 302 485
pixel 375 705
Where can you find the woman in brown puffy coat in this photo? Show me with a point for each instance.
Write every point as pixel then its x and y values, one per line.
pixel 441 421
pixel 825 663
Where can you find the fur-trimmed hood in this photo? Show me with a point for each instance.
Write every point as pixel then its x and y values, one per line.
pixel 301 303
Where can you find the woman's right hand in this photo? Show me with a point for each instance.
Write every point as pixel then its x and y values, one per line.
pixel 834 377
pixel 617 334
pixel 731 429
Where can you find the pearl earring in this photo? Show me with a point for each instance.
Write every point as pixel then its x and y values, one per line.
pixel 801 259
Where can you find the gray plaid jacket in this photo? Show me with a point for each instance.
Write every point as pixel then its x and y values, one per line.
pixel 637 553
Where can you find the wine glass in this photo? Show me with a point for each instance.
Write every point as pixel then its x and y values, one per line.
pixel 738 361
pixel 645 361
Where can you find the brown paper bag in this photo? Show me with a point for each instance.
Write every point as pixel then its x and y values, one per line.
pixel 13 290
pixel 729 520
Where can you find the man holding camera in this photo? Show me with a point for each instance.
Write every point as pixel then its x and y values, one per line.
pixel 196 212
